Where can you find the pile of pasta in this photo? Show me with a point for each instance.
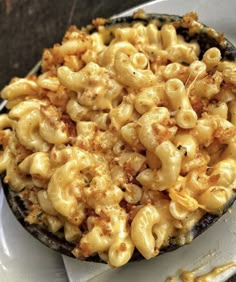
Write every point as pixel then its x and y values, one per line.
pixel 122 142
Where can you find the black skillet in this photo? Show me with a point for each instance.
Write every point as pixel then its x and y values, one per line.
pixel 205 40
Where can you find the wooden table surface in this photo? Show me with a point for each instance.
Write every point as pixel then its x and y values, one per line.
pixel 28 26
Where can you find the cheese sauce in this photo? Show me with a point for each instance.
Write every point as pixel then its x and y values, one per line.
pixel 189 276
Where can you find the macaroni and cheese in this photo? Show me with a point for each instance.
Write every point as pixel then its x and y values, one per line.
pixel 125 139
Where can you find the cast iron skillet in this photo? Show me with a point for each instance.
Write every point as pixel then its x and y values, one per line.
pixel 206 39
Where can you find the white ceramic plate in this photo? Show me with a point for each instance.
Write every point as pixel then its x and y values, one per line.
pixel 217 245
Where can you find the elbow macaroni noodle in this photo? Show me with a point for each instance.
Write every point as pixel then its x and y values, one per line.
pixel 122 139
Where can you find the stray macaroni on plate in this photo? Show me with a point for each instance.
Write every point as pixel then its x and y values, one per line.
pixel 125 139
